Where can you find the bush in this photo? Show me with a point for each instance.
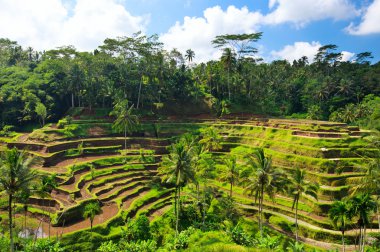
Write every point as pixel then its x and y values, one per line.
pixel 7 131
pixel 138 229
pixel 140 246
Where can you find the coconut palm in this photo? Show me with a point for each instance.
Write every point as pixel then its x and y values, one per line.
pixel 230 173
pixel 362 207
pixel 341 215
pixel 90 210
pixel 211 139
pixel 189 55
pixel 228 59
pixel 300 186
pixel 126 121
pixel 15 176
pixel 261 177
pixel 369 183
pixel 47 184
pixel 177 168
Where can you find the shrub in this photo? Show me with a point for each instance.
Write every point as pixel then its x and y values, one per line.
pixel 138 229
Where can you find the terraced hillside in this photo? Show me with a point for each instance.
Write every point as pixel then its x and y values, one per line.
pixel 92 164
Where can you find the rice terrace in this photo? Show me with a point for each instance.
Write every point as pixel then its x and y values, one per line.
pixel 135 145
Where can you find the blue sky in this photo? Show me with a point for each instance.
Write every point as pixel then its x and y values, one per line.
pixel 291 28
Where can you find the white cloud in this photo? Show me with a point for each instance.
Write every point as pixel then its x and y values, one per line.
pixel 370 21
pixel 198 32
pixel 347 56
pixel 45 24
pixel 297 50
pixel 301 12
pixel 300 49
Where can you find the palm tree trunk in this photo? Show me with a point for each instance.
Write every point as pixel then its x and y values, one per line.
pixel 261 210
pixel 125 136
pixel 344 248
pixel 178 208
pixel 10 222
pixel 364 238
pixel 231 190
pixel 138 96
pixel 72 100
pixel 297 221
pixel 228 83
pixel 49 220
pixel 377 213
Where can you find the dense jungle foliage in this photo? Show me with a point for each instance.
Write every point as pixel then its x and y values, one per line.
pixel 138 69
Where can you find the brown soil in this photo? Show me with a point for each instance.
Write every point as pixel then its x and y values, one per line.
pixel 67 162
pixel 159 212
pixel 96 131
pixel 127 203
pixel 108 211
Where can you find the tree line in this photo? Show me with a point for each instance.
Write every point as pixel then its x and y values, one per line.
pixel 139 70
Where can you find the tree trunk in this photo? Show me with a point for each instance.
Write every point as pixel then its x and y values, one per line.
pixel 297 221
pixel 231 190
pixel 72 100
pixel 49 220
pixel 228 83
pixel 10 222
pixel 178 208
pixel 344 248
pixel 138 96
pixel 378 214
pixel 261 210
pixel 125 137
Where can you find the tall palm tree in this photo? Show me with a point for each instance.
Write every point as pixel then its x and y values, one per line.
pixel 228 59
pixel 15 176
pixel 126 121
pixel 340 214
pixel 300 186
pixel 90 210
pixel 230 173
pixel 177 168
pixel 189 55
pixel 362 207
pixel 261 177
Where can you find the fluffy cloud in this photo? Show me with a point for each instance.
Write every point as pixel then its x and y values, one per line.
pixel 85 24
pixel 297 50
pixel 347 56
pixel 198 32
pixel 300 49
pixel 370 21
pixel 301 12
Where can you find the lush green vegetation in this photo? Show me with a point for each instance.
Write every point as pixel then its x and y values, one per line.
pixel 129 148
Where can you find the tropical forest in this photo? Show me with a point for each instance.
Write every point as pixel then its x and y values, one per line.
pixel 133 147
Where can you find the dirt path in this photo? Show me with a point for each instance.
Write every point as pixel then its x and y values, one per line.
pixel 108 211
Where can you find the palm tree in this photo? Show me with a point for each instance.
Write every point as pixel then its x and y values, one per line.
pixel 47 184
pixel 189 55
pixel 340 214
pixel 15 176
pixel 231 172
pixel 177 167
pixel 228 59
pixel 90 210
pixel 300 186
pixel 211 139
pixel 369 183
pixel 261 177
pixel 126 121
pixel 362 206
